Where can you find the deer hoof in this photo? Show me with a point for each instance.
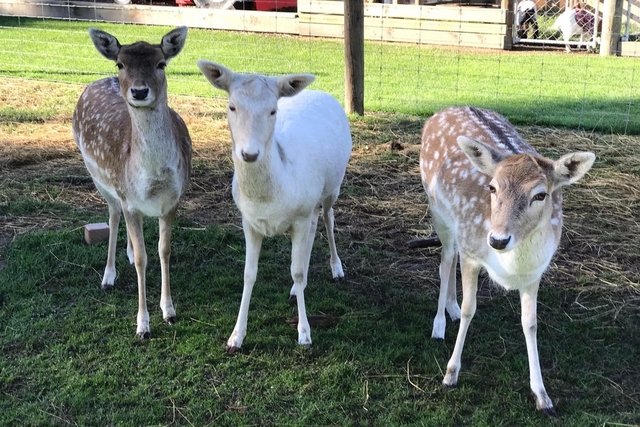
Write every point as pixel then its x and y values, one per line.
pixel 143 335
pixel 232 349
pixel 107 287
pixel 170 320
pixel 550 412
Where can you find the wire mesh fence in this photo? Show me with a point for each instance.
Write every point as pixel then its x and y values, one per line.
pixel 533 83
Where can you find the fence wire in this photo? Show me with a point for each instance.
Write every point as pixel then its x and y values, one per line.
pixel 534 83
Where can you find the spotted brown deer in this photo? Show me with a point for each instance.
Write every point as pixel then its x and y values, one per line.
pixel 497 205
pixel 138 152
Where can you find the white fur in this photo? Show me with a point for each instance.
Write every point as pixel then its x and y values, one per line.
pixel 567 24
pixel 520 230
pixel 290 149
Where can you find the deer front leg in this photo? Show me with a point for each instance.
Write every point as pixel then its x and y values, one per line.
pixel 469 289
pixel 134 229
pixel 528 304
pixel 253 241
pixel 302 236
pixel 164 250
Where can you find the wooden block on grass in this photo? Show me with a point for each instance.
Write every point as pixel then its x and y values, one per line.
pixel 96 233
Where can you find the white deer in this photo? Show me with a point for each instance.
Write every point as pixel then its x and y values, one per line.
pixel 290 149
pixel 138 152
pixel 497 204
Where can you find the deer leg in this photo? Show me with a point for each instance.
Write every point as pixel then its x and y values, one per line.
pixel 134 230
pixel 447 295
pixel 302 236
pixel 164 250
pixel 115 210
pixel 528 304
pixel 130 249
pixel 452 299
pixel 336 265
pixel 469 289
pixel 109 278
pixel 253 241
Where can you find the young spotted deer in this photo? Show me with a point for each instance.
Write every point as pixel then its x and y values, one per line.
pixel 290 148
pixel 497 205
pixel 138 152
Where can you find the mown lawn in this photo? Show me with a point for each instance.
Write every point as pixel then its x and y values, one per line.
pixel 69 352
pixel 579 91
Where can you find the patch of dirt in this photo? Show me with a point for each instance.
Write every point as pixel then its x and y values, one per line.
pixel 382 205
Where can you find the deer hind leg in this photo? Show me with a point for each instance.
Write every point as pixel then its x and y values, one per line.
pixel 134 230
pixel 447 296
pixel 115 210
pixel 164 250
pixel 130 250
pixel 327 212
pixel 302 236
pixel 528 304
pixel 253 241
pixel 469 289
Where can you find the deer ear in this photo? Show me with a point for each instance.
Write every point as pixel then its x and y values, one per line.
pixel 219 76
pixel 173 42
pixel 106 44
pixel 291 84
pixel 571 167
pixel 484 157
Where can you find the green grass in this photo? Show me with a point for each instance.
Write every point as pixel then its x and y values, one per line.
pixel 70 356
pixel 576 91
pixel 68 350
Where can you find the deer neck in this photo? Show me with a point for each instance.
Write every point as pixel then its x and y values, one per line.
pixel 152 136
pixel 526 263
pixel 262 181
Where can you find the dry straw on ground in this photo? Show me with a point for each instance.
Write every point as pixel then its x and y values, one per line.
pixel 382 206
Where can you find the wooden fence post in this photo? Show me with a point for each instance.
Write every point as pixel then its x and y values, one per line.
pixel 611 27
pixel 354 56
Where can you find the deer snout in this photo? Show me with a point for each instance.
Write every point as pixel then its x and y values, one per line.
pixel 249 157
pixel 498 242
pixel 139 94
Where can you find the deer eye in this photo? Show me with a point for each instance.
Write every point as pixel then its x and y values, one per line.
pixel 491 189
pixel 539 197
pixel 120 65
pixel 273 112
pixel 232 108
pixel 162 65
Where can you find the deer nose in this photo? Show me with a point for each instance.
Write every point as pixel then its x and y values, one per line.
pixel 499 243
pixel 140 94
pixel 249 157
